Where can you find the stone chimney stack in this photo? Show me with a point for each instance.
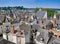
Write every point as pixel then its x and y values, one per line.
pixel 12 29
pixel 19 36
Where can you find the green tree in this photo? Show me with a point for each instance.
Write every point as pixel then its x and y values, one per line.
pixel 36 9
pixel 50 12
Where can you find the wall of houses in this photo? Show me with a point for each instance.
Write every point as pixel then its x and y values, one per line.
pixel 4 36
pixel 13 38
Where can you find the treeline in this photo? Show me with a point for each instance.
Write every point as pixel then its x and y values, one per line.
pixel 50 11
pixel 16 7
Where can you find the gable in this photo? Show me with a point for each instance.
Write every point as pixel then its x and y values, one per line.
pixel 41 14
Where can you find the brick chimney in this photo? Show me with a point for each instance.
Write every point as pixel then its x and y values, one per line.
pixel 12 29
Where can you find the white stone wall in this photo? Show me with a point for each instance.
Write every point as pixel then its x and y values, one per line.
pixel 54 15
pixel 4 36
pixel 12 38
pixel 22 40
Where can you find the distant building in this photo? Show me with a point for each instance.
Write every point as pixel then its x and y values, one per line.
pixel 57 15
pixel 41 14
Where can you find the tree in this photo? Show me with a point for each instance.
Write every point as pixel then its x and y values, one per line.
pixel 36 9
pixel 50 12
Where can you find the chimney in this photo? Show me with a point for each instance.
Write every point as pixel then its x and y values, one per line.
pixel 12 29
pixel 54 22
pixel 19 36
pixel 19 31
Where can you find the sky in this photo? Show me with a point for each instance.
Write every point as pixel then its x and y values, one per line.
pixel 31 3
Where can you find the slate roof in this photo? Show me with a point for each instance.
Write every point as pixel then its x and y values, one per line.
pixel 2 17
pixel 43 34
pixel 36 26
pixel 40 14
pixel 58 22
pixel 54 41
pixel 25 27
